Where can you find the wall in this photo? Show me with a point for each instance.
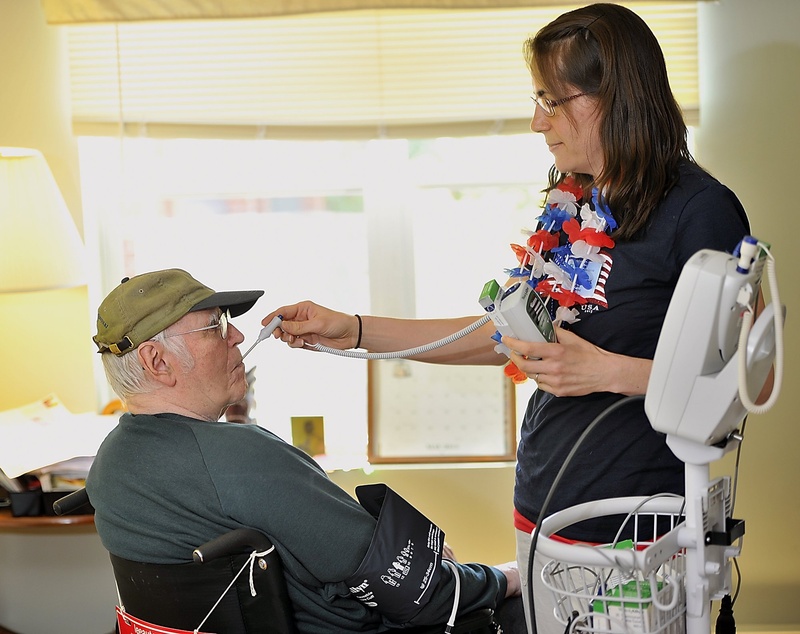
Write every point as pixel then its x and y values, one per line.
pixel 749 132
pixel 472 505
pixel 55 580
pixel 748 137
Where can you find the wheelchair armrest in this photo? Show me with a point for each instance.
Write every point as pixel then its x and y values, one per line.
pixel 71 502
pixel 241 540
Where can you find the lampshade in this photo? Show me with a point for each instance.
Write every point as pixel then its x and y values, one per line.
pixel 40 247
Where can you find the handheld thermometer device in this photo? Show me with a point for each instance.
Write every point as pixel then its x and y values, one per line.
pixel 517 311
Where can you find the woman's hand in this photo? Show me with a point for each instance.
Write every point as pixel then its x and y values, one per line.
pixel 575 367
pixel 308 323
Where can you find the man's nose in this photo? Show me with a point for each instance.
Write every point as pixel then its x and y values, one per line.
pixel 235 336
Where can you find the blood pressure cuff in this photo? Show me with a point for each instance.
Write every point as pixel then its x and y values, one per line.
pixel 402 565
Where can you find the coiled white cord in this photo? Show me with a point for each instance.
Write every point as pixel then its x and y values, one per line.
pixel 744 333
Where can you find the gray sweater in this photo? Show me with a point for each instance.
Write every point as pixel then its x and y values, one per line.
pixel 162 485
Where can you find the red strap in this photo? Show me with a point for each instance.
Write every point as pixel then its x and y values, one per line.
pixel 131 625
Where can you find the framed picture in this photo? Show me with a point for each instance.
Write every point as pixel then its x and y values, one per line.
pixel 420 412
pixel 308 434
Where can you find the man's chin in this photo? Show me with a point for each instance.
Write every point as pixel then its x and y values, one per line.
pixel 238 391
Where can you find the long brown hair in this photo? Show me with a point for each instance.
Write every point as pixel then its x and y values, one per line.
pixel 609 52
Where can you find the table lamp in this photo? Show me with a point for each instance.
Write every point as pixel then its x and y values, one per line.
pixel 45 325
pixel 40 248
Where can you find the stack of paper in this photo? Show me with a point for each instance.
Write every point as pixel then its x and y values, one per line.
pixel 46 437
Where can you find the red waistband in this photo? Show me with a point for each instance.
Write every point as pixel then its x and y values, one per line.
pixel 522 523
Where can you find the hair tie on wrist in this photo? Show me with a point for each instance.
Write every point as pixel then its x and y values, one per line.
pixel 360 326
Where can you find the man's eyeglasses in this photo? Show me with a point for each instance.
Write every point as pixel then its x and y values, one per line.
pixel 222 324
pixel 549 105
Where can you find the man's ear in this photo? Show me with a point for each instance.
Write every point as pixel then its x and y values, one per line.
pixel 156 366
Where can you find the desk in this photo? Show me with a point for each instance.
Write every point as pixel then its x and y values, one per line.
pixel 55 575
pixel 7 520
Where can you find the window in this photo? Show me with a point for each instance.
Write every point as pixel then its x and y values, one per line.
pixel 373 161
pixel 403 228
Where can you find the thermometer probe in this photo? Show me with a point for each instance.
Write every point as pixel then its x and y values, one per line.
pixel 266 331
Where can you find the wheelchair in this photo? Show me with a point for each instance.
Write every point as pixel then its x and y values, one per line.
pixel 234 585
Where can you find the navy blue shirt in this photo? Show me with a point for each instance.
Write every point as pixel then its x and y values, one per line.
pixel 623 455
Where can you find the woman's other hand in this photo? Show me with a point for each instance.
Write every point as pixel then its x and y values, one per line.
pixel 575 367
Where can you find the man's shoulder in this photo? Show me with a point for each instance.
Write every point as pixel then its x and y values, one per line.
pixel 240 437
pixel 169 425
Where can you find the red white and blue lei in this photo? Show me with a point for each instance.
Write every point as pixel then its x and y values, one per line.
pixel 567 258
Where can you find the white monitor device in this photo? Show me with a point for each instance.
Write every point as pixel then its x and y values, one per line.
pixel 693 391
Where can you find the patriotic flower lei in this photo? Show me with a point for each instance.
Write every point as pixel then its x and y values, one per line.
pixel 555 256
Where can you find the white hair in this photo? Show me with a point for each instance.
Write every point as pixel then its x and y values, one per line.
pixel 126 375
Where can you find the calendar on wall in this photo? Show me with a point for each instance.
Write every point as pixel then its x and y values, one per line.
pixel 420 412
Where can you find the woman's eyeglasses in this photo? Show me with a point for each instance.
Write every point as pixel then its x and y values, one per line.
pixel 549 105
pixel 222 324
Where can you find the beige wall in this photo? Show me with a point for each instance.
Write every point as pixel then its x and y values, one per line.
pixel 471 505
pixel 748 137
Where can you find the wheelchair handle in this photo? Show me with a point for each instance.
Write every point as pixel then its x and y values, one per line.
pixel 241 540
pixel 71 502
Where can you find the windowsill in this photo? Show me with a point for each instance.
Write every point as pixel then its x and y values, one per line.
pixel 769 628
pixel 418 466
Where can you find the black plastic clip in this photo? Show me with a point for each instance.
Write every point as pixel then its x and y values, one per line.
pixel 734 529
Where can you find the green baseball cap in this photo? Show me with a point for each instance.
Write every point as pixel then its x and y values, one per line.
pixel 144 305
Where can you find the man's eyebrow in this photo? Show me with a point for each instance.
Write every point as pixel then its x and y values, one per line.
pixel 213 318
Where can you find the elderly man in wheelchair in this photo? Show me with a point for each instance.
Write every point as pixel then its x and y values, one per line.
pixel 172 476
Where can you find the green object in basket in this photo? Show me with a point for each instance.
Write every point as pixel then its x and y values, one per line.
pixel 639 591
pixel 638 615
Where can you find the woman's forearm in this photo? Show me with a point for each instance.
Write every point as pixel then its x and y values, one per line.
pixel 387 334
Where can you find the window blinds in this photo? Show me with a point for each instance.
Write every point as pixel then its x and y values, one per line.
pixel 84 11
pixel 353 74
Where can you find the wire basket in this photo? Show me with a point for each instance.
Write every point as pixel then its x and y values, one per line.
pixel 632 586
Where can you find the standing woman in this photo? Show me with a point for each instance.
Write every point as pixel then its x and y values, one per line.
pixel 619 141
pixel 626 207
